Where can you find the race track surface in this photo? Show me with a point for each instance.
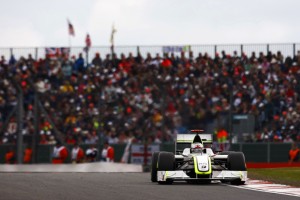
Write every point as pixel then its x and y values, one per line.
pixel 122 186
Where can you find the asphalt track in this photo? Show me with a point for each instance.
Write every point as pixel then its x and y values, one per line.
pixel 116 186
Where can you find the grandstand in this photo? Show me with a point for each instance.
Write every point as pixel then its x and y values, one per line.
pixel 145 93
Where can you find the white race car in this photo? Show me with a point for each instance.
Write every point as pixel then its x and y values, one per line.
pixel 196 162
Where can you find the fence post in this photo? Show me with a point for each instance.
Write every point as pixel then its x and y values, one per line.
pixel 268 49
pixel 11 52
pixel 294 50
pixel 242 50
pixel 36 129
pixel 87 57
pixel 216 49
pixel 137 50
pixel 230 128
pixel 20 128
pixel 36 53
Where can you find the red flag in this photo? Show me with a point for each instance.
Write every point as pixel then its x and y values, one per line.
pixel 71 29
pixel 88 42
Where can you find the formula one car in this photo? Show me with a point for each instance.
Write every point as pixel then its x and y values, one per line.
pixel 194 161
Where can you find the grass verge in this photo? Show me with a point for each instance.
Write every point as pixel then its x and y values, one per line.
pixel 287 176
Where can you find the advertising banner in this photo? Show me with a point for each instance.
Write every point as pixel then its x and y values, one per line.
pixel 174 49
pixel 138 153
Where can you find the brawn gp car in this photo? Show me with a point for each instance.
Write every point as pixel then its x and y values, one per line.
pixel 194 161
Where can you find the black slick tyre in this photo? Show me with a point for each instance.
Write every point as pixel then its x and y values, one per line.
pixel 166 162
pixel 236 162
pixel 154 166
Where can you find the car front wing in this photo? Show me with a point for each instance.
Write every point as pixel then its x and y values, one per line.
pixel 180 175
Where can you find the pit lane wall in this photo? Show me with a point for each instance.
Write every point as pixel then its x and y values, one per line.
pixel 254 152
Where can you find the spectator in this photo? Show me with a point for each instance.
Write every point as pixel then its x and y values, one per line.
pixel 67 69
pixel 27 155
pixel 30 61
pixel 91 138
pixel 3 61
pixel 222 135
pixel 136 96
pixel 77 154
pixel 60 153
pixel 79 64
pixel 294 153
pixel 91 154
pixel 97 60
pixel 108 153
pixel 10 156
pixel 12 60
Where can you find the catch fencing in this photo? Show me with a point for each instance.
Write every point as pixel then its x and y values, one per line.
pixel 287 49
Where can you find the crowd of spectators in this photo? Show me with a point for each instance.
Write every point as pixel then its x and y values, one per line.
pixel 130 97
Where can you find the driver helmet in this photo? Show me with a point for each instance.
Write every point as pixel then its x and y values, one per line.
pixel 197 147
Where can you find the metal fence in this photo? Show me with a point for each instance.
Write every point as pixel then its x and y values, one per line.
pixel 288 49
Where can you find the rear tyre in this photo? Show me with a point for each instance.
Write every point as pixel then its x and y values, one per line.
pixel 166 162
pixel 154 166
pixel 236 162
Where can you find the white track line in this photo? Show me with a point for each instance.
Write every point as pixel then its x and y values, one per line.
pixel 265 186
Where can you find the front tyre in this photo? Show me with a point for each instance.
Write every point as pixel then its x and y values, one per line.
pixel 236 162
pixel 154 166
pixel 166 162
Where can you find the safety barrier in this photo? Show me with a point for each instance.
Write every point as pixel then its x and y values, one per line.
pixel 254 152
pixel 83 167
